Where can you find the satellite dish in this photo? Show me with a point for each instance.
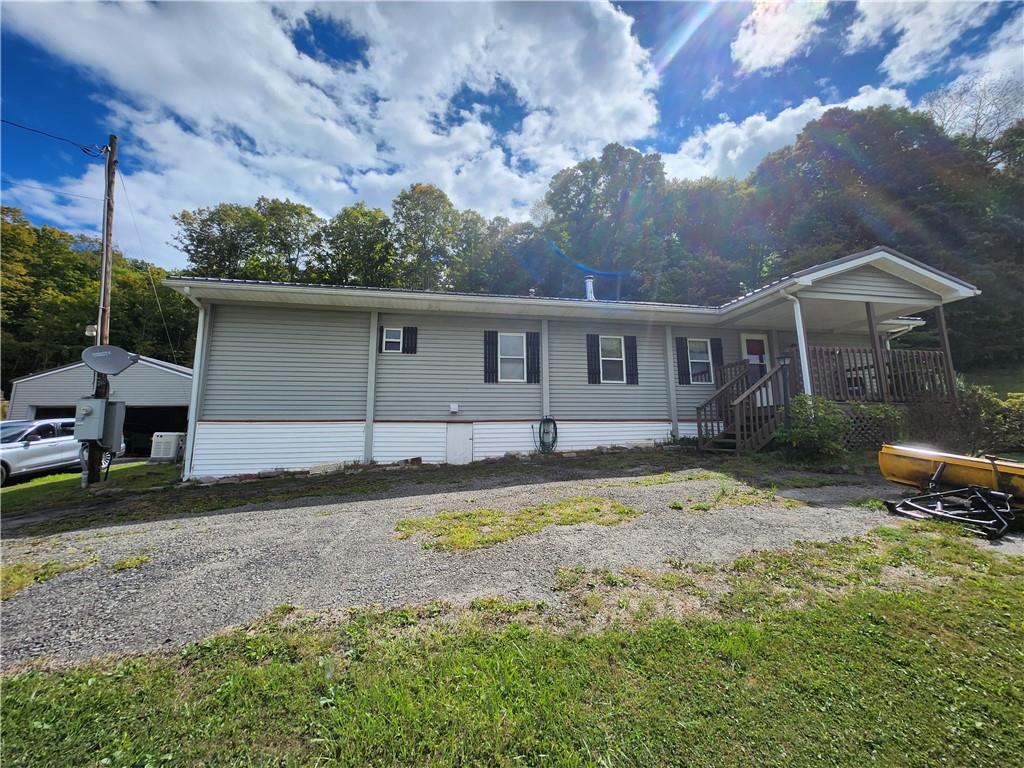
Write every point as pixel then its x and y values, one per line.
pixel 108 359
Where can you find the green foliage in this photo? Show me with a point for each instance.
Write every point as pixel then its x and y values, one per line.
pixel 978 422
pixel 50 287
pixel 816 430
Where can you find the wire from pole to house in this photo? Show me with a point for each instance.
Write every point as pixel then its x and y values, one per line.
pixel 149 268
pixel 15 185
pixel 92 150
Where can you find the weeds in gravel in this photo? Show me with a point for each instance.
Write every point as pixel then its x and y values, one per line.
pixel 500 606
pixel 834 678
pixel 478 528
pixel 14 577
pixel 731 493
pixel 870 503
pixel 127 563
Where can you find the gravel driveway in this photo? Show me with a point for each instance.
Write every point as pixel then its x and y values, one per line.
pixel 210 572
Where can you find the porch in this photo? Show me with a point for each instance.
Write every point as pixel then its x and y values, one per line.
pixel 787 345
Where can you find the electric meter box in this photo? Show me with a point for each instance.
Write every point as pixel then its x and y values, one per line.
pixel 90 413
pixel 100 420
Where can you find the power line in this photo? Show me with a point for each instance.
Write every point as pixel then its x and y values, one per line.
pixel 149 268
pixel 16 184
pixel 92 150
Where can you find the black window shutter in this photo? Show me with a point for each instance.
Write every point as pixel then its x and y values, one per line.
pixel 717 360
pixel 380 338
pixel 632 374
pixel 490 357
pixel 532 357
pixel 409 340
pixel 593 358
pixel 683 359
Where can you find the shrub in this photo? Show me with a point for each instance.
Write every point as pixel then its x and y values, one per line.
pixel 979 422
pixel 817 428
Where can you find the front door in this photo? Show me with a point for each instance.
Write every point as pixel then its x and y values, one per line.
pixel 755 350
pixel 460 442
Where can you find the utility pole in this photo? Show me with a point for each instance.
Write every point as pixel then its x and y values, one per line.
pixel 95 459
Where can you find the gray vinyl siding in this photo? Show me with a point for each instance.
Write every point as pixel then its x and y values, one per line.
pixel 689 396
pixel 269 363
pixel 448 367
pixel 871 282
pixel 141 385
pixel 573 398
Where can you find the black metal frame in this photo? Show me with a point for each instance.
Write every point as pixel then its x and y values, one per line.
pixel 981 510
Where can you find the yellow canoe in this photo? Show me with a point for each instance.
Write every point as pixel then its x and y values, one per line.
pixel 915 466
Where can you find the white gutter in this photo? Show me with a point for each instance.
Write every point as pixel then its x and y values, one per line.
pixel 198 364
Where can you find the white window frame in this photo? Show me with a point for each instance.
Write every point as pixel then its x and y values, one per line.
pixel 400 339
pixel 512 357
pixel 690 361
pixel 602 358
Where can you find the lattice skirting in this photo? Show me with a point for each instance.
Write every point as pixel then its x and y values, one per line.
pixel 868 429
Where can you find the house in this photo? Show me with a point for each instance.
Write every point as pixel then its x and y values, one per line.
pixel 156 395
pixel 291 376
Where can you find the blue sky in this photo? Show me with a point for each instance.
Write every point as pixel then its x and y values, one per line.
pixel 329 104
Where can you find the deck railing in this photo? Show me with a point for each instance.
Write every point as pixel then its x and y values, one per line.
pixel 849 374
pixel 715 414
pixel 758 411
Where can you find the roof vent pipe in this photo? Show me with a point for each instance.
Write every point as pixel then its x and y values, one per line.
pixel 588 281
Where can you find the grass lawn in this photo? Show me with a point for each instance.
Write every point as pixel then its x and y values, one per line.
pixel 1002 380
pixel 65 489
pixel 902 648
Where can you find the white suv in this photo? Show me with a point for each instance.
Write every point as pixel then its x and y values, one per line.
pixel 36 446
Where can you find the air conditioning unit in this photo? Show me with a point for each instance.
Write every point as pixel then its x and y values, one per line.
pixel 167 446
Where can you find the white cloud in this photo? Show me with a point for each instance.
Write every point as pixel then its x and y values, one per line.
pixel 1003 55
pixel 214 102
pixel 775 32
pixel 924 32
pixel 729 148
pixel 714 88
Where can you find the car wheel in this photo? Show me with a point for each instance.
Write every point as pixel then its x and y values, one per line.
pixel 108 457
pixel 3 474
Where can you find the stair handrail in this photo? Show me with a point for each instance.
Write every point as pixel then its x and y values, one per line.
pixel 711 422
pixel 758 410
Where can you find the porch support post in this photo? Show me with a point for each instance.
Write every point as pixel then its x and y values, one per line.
pixel 876 350
pixel 371 390
pixel 670 384
pixel 947 355
pixel 801 343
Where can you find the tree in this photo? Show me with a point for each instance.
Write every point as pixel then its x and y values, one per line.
pixel 603 212
pixel 977 109
pixel 883 176
pixel 425 225
pixel 50 283
pixel 223 241
pixel 354 248
pixel 289 230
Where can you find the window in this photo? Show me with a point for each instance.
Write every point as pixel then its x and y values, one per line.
pixel 44 432
pixel 613 360
pixel 511 357
pixel 392 340
pixel 700 361
pixel 67 429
